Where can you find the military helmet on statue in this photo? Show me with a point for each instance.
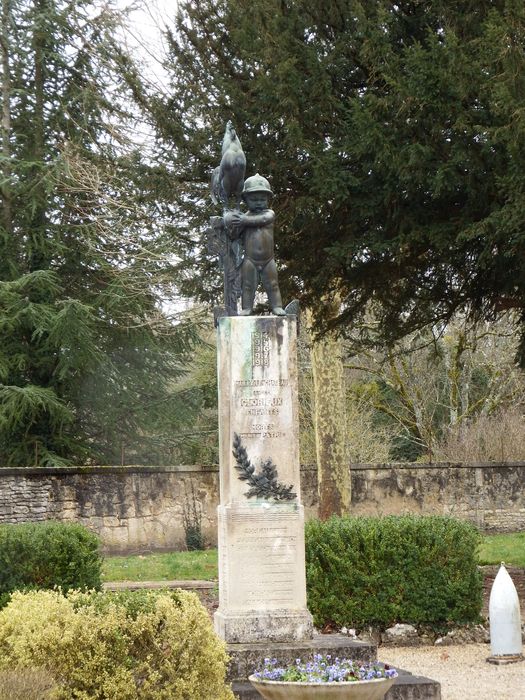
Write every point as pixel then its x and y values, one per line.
pixel 256 183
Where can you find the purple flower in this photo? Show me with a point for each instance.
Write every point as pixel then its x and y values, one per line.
pixel 323 670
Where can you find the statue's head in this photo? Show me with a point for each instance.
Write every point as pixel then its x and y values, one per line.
pixel 256 183
pixel 256 193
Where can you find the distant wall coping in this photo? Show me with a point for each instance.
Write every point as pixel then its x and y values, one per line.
pixel 213 468
pixel 110 469
pixel 435 465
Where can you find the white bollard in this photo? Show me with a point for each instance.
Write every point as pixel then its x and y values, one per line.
pixel 505 620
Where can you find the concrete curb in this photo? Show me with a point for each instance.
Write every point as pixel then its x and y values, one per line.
pixel 158 585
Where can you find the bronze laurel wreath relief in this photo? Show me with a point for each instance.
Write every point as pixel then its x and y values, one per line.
pixel 263 484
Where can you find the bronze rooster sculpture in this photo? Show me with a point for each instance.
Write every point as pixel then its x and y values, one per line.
pixel 228 178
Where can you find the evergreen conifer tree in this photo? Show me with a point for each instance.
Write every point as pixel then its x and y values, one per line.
pixel 87 355
pixel 392 132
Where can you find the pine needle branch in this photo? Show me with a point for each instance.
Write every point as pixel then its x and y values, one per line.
pixel 264 484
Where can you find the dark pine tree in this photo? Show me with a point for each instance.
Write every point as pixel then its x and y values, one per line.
pixel 392 133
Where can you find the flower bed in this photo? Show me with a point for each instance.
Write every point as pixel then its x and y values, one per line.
pixel 323 669
pixel 323 678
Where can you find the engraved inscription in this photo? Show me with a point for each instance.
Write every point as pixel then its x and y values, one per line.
pixel 258 401
pixel 261 382
pixel 263 412
pixel 262 407
pixel 267 435
pixel 260 349
pixel 264 401
pixel 269 555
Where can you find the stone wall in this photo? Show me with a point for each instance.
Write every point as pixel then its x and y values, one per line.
pixel 134 509
pixel 141 508
pixel 490 495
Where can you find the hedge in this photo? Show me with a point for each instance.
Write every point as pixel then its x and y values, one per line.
pixel 137 645
pixel 379 571
pixel 47 555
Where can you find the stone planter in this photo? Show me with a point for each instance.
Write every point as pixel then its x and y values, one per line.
pixel 346 690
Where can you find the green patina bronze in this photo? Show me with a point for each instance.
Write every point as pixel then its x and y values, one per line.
pixel 244 242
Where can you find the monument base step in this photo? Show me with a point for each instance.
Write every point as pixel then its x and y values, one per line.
pixel 245 658
pixel 264 627
pixel 406 687
pixel 409 687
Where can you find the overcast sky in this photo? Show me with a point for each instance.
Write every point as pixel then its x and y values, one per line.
pixel 145 28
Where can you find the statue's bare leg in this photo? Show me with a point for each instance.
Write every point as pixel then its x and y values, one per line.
pixel 249 278
pixel 271 285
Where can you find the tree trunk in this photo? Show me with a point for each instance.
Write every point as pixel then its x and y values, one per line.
pixel 7 213
pixel 333 469
pixel 38 257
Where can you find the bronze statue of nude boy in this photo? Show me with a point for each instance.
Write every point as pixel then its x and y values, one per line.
pixel 255 229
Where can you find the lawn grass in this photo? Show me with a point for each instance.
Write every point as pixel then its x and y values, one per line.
pixel 509 548
pixel 169 566
pixel 202 565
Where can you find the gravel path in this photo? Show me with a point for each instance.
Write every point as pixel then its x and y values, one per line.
pixel 463 671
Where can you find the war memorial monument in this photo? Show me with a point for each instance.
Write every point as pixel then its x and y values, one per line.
pixel 262 584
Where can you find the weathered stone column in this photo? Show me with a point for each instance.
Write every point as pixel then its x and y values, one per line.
pixel 262 587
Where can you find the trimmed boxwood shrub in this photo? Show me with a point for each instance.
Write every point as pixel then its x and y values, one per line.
pixel 46 555
pixel 379 571
pixel 135 645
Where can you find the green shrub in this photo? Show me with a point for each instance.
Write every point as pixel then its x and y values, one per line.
pixel 145 645
pixel 46 555
pixel 26 684
pixel 378 571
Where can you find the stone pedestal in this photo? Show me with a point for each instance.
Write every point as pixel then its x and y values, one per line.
pixel 262 587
